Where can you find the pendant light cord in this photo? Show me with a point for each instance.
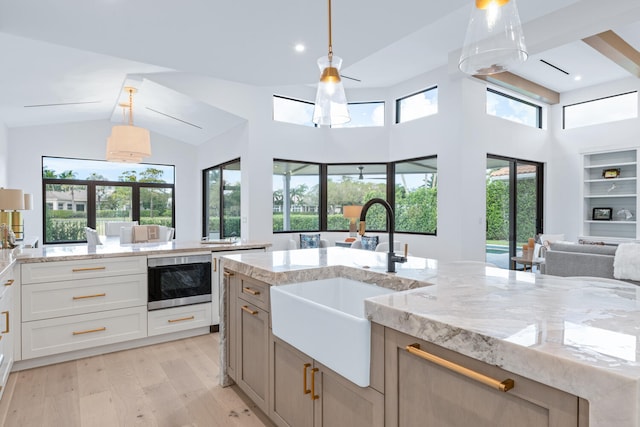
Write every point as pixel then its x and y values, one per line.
pixel 330 45
pixel 130 107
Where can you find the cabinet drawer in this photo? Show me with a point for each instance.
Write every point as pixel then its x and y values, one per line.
pixel 47 300
pixel 55 271
pixel 53 336
pixel 6 280
pixel 254 292
pixel 179 318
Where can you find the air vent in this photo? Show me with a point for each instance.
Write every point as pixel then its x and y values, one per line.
pixel 61 104
pixel 174 118
pixel 554 66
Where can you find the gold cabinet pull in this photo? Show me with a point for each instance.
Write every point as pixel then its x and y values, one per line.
pixel 90 296
pixel 248 310
pixel 250 291
pixel 305 390
pixel 215 265
pixel 505 385
pixel 182 319
pixel 314 396
pixel 89 331
pixel 228 274
pixel 77 270
pixel 9 282
pixel 6 317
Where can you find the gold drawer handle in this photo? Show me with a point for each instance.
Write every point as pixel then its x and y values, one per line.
pixel 305 390
pixel 505 385
pixel 314 396
pixel 228 274
pixel 89 331
pixel 251 291
pixel 90 296
pixel 182 319
pixel 9 283
pixel 248 310
pixel 215 265
pixel 77 270
pixel 6 317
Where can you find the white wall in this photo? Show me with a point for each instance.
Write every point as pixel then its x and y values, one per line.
pixel 87 140
pixel 4 157
pixel 564 177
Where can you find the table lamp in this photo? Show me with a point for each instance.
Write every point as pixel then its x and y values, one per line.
pixel 10 200
pixel 353 213
pixel 16 217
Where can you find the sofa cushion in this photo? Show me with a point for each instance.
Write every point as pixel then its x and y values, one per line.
pixel 369 242
pixel 587 249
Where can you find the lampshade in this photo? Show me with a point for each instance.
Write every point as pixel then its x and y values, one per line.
pixel 351 211
pixel 128 143
pixel 28 201
pixel 11 200
pixel 331 106
pixel 494 41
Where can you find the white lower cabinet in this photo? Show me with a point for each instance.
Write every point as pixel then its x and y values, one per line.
pixel 76 305
pixel 69 333
pixel 7 325
pixel 179 318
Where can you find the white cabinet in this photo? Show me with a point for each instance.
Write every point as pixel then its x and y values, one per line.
pixel 610 196
pixel 75 305
pixel 7 325
pixel 179 318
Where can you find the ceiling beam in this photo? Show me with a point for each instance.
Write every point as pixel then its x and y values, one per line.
pixel 523 86
pixel 616 49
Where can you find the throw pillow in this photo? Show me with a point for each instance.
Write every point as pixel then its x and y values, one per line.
pixel 369 242
pixel 308 241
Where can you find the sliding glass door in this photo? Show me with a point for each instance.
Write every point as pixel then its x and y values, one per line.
pixel 514 207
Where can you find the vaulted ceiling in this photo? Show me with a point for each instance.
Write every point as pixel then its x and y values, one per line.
pixel 68 60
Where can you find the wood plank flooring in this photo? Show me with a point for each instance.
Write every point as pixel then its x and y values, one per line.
pixel 173 384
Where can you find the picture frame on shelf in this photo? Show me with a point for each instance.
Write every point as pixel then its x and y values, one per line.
pixel 611 173
pixel 602 214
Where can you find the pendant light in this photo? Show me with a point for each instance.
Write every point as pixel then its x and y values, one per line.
pixel 331 102
pixel 128 143
pixel 494 42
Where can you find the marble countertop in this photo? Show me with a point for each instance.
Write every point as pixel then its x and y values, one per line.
pixel 578 335
pixel 115 249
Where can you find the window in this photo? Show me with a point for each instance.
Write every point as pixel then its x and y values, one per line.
pixel 89 193
pixel 296 196
pixel 364 114
pixel 513 109
pixel 354 184
pixel 416 195
pixel 312 197
pixel 289 110
pixel 221 186
pixel 417 105
pixel 603 110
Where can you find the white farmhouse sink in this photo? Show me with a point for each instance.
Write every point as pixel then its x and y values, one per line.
pixel 325 319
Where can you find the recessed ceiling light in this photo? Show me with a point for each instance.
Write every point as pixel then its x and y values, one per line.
pixel 299 47
pixel 577 78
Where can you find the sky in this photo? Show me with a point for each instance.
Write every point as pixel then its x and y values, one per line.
pixel 110 170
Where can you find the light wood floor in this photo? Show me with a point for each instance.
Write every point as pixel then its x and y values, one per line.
pixel 172 384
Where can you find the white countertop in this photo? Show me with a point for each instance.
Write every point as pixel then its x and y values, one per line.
pixel 581 336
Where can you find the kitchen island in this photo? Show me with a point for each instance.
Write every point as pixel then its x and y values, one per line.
pixel 579 336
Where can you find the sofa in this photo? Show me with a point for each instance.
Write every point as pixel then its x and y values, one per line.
pixel 573 259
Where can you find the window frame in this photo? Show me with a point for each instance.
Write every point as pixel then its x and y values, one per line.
pixel 595 100
pixel 205 196
pixel 90 206
pixel 399 100
pixel 322 205
pixel 522 101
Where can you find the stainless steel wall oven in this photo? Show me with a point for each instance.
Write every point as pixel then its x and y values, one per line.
pixel 178 280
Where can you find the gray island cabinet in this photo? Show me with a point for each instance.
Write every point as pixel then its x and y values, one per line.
pixel 568 344
pixel 290 387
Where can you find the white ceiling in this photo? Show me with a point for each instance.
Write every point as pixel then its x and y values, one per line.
pixel 78 51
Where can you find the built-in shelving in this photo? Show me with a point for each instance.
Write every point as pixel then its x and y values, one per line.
pixel 620 194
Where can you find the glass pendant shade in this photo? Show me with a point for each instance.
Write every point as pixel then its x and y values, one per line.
pixel 494 41
pixel 331 102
